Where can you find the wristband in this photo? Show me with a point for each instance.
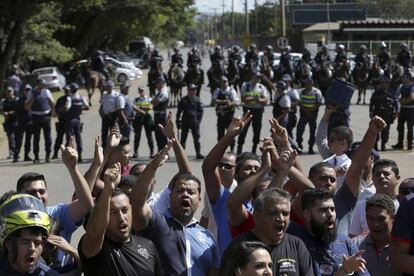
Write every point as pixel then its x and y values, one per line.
pixel 344 272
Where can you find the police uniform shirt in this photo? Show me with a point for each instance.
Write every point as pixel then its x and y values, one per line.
pixel 294 96
pixel 310 98
pixel 69 101
pixel 60 103
pixel 8 105
pixel 125 104
pixel 405 91
pixel 108 102
pixel 143 102
pixel 230 93
pixel 162 95
pixel 47 94
pixel 250 90
pixel 139 256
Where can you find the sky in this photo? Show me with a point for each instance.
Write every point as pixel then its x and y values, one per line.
pixel 207 6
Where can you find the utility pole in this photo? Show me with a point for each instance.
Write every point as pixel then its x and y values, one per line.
pixel 232 21
pixel 256 18
pixel 282 10
pixel 222 23
pixel 246 10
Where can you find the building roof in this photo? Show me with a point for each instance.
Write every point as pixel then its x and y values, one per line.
pixel 322 27
pixel 377 21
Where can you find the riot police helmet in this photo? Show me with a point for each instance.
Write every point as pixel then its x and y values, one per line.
pixel 236 48
pixel 383 45
pixel 176 50
pixel 269 48
pixel 403 46
pixel 217 48
pixel 408 73
pixel 253 46
pixel 363 47
pixel 288 48
pixel 74 87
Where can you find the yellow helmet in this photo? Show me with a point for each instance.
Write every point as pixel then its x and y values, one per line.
pixel 22 211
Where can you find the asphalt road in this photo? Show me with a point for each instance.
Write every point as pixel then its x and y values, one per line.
pixel 59 184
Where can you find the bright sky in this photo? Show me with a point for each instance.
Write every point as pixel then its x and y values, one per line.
pixel 207 6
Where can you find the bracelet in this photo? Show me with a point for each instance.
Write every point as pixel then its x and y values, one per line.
pixel 344 272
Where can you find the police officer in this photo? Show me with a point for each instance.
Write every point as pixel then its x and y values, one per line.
pixel 98 64
pixel 125 110
pixel 406 114
pixel 24 126
pixel 194 59
pixel 281 104
pixel 189 116
pixel 41 103
pixel 306 56
pixel 310 100
pixel 143 117
pixel 254 97
pixel 8 107
pixel 160 104
pixel 108 110
pixel 177 58
pixel 74 106
pixel 294 102
pixel 321 57
pixel 234 55
pixel 225 100
pixel 404 58
pixel 361 58
pixel 252 58
pixel 341 55
pixel 156 58
pixel 217 56
pixel 268 52
pixel 60 124
pixel 285 61
pixel 384 105
pixel 384 58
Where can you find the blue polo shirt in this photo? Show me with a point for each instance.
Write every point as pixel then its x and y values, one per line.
pixel 183 250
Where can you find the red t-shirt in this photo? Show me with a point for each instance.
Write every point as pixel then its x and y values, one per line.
pixel 246 225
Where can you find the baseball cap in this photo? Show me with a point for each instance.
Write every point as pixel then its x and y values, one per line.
pixel 286 77
pixel 110 83
pixel 125 85
pixel 281 83
pixel 191 86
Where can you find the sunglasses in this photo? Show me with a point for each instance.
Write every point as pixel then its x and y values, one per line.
pixel 226 166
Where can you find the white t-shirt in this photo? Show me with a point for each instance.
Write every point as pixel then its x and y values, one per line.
pixel 359 223
pixel 338 162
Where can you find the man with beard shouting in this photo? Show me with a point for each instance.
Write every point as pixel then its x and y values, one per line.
pixel 332 253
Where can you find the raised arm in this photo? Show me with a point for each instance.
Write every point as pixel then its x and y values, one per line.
pixel 296 176
pixel 79 208
pixel 92 173
pixel 210 165
pixel 322 133
pixel 360 157
pixel 236 211
pixel 98 221
pixel 180 155
pixel 141 211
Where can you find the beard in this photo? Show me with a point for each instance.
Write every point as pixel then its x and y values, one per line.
pixel 322 233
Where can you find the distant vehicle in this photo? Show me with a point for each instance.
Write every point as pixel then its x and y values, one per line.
pixel 123 71
pixel 53 78
pixel 140 50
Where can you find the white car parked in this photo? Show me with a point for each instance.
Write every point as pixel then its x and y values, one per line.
pixel 123 71
pixel 53 78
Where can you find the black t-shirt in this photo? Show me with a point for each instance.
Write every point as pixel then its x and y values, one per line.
pixel 290 257
pixel 136 257
pixel 403 227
